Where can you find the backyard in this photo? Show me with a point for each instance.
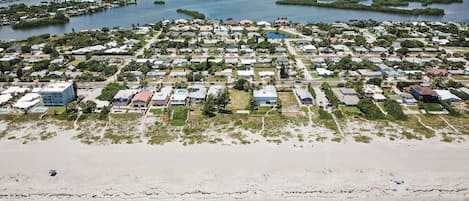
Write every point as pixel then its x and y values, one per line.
pixel 239 99
pixel 289 102
pixel 178 115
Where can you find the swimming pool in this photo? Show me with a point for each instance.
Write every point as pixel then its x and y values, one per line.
pixel 4 111
pixel 276 35
pixel 180 91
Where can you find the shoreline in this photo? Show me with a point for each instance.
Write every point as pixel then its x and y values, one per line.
pixel 327 171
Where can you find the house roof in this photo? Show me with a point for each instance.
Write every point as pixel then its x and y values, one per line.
pixel 143 96
pixel 197 91
pixel 423 90
pixel 125 94
pixel 446 95
pixel 268 91
pixel 163 93
pixel 303 94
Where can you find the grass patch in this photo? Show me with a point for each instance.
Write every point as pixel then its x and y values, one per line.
pixel 179 116
pixel 350 110
pixel 261 110
pixel 432 107
pixel 362 138
pixel 157 112
pixel 55 110
pixel 239 99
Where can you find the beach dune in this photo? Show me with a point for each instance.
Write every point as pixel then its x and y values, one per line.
pixel 326 171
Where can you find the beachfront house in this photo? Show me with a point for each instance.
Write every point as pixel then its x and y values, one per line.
pixel 162 97
pixel 142 99
pixel 197 93
pixel 346 96
pixel 57 94
pixel 304 96
pixel 179 98
pixel 123 97
pixel 28 101
pixel 266 95
pixel 446 95
pixel 424 94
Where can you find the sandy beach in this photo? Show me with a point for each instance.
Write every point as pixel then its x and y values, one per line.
pixel 324 171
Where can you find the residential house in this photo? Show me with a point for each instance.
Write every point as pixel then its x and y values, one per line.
pixel 304 96
pixel 123 97
pixel 347 96
pixel 162 97
pixel 28 101
pixel 142 99
pixel 179 97
pixel 446 95
pixel 323 72
pixel 424 94
pixel 197 93
pixel 215 90
pixel 266 95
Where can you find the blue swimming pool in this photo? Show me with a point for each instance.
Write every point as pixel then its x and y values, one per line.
pixel 4 111
pixel 276 35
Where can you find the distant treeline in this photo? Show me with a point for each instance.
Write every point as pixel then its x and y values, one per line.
pixel 353 5
pixel 192 13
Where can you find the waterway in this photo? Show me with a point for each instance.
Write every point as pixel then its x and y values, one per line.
pixel 147 12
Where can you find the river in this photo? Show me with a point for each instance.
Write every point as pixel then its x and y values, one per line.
pixel 147 12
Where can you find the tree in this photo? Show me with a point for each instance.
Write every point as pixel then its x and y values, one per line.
pixel 394 110
pixel 71 107
pixel 110 91
pixel 104 113
pixel 209 106
pixel 375 81
pixel 370 110
pixel 242 85
pixel 19 72
pixel 223 99
pixel 88 106
pixel 283 72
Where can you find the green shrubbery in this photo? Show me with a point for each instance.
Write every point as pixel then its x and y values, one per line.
pixel 369 109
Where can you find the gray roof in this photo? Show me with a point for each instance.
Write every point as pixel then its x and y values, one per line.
pixel 125 94
pixel 163 93
pixel 303 94
pixel 268 91
pixel 197 91
pixel 347 96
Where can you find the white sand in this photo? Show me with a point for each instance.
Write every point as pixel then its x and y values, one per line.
pixel 329 171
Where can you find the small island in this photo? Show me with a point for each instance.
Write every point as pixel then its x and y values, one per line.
pixel 376 6
pixel 51 13
pixel 192 13
pixel 59 18
pixel 159 2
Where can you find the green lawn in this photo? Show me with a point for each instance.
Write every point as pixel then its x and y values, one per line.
pixel 179 116
pixel 157 112
pixel 432 107
pixel 460 77
pixel 239 100
pixel 59 110
pixel 387 92
pixel 261 110
pixel 350 109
